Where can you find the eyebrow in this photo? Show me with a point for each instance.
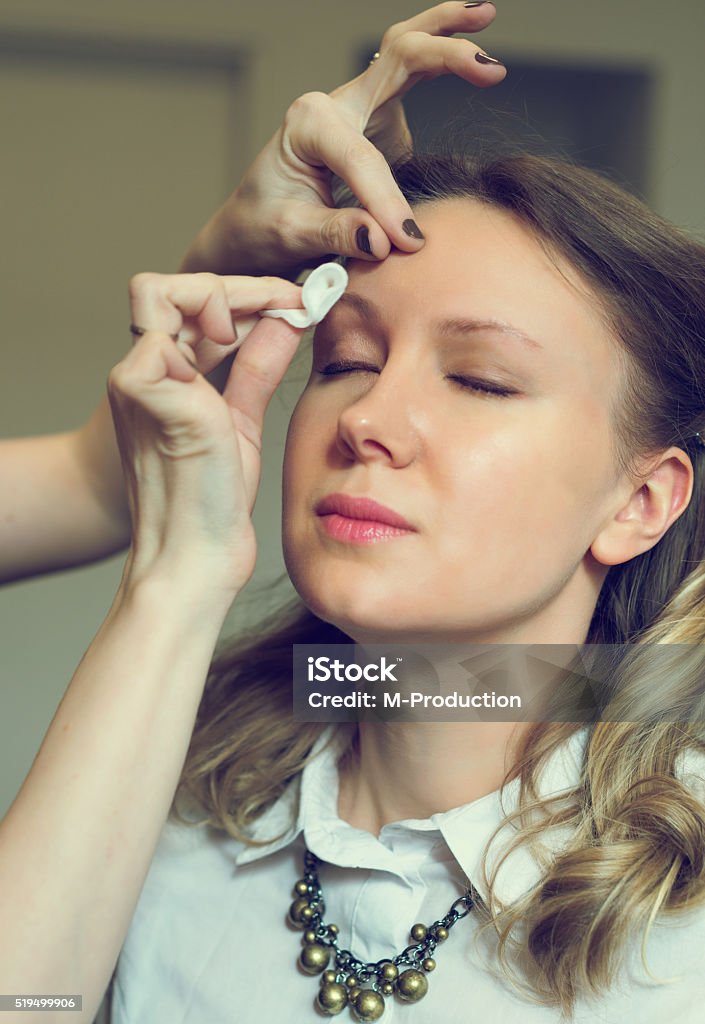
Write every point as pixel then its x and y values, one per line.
pixel 369 312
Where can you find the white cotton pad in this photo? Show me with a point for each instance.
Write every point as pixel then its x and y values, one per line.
pixel 322 289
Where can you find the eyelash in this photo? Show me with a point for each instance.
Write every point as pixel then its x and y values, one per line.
pixel 469 383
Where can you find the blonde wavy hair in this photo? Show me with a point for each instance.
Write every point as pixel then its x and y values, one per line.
pixel 638 831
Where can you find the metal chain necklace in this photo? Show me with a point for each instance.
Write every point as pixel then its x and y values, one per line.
pixel 351 982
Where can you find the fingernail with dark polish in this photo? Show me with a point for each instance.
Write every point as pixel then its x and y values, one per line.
pixel 412 229
pixel 476 3
pixel 484 58
pixel 363 240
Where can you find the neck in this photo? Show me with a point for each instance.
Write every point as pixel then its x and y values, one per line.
pixel 400 769
pixel 413 770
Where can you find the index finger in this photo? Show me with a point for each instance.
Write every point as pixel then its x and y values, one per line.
pixel 445 20
pixel 163 301
pixel 409 58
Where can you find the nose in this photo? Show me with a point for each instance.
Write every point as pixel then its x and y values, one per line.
pixel 382 425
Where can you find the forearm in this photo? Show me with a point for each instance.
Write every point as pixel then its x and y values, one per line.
pixel 76 844
pixel 63 500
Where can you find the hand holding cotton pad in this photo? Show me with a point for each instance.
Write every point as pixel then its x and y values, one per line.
pixel 322 289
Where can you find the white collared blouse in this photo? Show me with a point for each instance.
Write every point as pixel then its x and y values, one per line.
pixel 209 942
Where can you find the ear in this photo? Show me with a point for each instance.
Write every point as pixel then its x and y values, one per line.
pixel 651 509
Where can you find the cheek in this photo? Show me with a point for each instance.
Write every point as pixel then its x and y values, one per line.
pixel 292 448
pixel 304 437
pixel 585 460
pixel 540 488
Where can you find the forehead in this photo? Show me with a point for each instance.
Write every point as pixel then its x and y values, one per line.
pixel 480 262
pixel 479 253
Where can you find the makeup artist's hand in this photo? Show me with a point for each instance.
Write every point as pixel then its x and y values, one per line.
pixel 282 216
pixel 191 456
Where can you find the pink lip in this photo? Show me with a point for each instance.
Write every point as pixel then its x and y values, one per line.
pixel 360 520
pixel 373 514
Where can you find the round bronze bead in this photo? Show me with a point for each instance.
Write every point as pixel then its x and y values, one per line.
pixel 301 888
pixel 307 914
pixel 390 972
pixel 314 958
pixel 309 936
pixel 333 929
pixel 419 932
pixel 429 964
pixel 368 1005
pixel 328 978
pixel 412 986
pixel 352 982
pixel 441 933
pixel 295 912
pixel 332 998
pixel 387 988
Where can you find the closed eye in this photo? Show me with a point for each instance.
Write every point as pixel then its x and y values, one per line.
pixel 472 384
pixel 468 383
pixel 333 369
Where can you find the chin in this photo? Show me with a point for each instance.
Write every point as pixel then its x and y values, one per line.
pixel 336 596
pixel 363 616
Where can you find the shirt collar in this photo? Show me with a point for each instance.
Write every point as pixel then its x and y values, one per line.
pixel 309 806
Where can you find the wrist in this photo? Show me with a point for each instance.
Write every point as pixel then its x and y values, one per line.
pixel 186 591
pixel 230 243
pixel 97 459
pixel 216 248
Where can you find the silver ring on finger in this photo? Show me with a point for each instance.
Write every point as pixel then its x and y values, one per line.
pixel 137 332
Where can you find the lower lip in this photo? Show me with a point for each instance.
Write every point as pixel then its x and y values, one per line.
pixel 359 531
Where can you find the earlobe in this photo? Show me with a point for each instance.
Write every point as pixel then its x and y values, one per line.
pixel 654 505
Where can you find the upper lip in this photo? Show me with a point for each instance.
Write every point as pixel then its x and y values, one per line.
pixel 361 508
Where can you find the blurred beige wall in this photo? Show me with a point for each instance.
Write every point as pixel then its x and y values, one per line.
pixel 123 128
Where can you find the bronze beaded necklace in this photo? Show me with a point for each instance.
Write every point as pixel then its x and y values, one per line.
pixel 363 986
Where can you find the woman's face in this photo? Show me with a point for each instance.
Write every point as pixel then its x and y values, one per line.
pixel 505 492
